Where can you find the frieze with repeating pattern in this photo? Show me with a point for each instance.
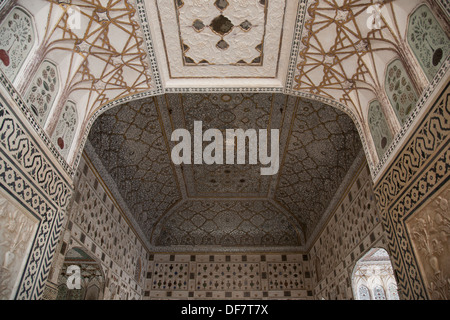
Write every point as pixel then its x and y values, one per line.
pixel 236 276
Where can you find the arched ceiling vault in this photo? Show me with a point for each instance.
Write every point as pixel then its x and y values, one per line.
pixel 194 207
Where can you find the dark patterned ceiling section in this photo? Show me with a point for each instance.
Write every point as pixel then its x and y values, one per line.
pixel 130 142
pixel 226 206
pixel 227 111
pixel 228 224
pixel 323 144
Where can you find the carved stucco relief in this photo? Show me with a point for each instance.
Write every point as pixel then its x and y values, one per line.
pixel 429 229
pixel 17 233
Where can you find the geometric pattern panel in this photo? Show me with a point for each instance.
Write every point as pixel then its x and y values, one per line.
pixel 25 151
pixel 237 39
pixel 445 6
pixel 170 276
pixel 285 276
pixel 322 146
pixel 97 231
pixel 103 49
pixel 97 220
pixel 226 111
pixel 228 224
pixel 229 276
pixel 129 141
pixel 334 49
pixel 318 145
pixel 16 41
pixel 30 177
pixel 222 39
pixel 428 40
pixel 352 228
pixel 29 115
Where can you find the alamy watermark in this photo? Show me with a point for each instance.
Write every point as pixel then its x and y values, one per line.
pixel 220 151
pixel 74 279
pixel 374 21
pixel 74 17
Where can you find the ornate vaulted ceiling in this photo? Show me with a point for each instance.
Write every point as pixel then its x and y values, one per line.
pixel 226 63
pixel 225 206
pixel 333 51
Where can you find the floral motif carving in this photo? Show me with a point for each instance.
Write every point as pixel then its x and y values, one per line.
pixel 430 229
pixel 400 90
pixel 43 91
pixel 17 230
pixel 428 41
pixel 65 129
pixel 16 41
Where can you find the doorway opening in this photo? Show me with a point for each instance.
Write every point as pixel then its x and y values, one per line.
pixel 91 282
pixel 373 277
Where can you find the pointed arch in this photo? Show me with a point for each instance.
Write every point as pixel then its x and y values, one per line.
pixel 66 128
pixel 363 293
pixel 400 90
pixel 92 282
pixel 373 277
pixel 379 293
pixel 43 90
pixel 427 40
